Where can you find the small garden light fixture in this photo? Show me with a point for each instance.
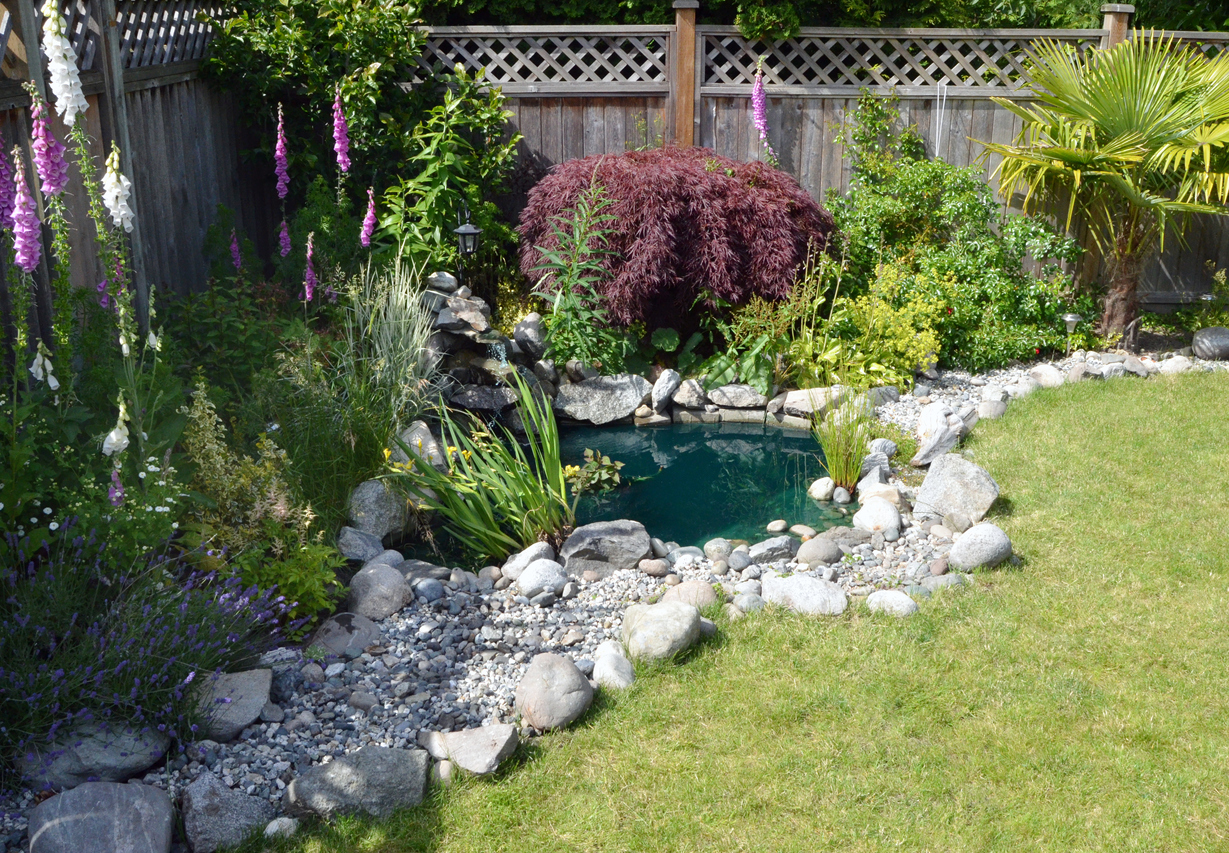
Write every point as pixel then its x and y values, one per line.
pixel 467 238
pixel 1072 320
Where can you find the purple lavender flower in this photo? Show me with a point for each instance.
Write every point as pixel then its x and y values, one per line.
pixel 116 493
pixel 279 157
pixel 309 275
pixel 26 246
pixel 8 191
pixel 48 153
pixel 369 221
pixel 235 257
pixel 283 239
pixel 341 134
pixel 759 110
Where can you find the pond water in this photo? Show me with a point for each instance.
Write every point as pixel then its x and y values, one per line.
pixel 692 482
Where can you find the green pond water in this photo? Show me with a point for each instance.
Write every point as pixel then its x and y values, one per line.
pixel 705 480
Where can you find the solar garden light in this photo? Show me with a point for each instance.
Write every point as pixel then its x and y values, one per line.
pixel 467 239
pixel 1072 320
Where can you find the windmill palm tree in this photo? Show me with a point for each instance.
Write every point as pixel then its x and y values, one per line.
pixel 1133 139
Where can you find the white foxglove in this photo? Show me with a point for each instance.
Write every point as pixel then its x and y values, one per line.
pixel 153 342
pixel 117 439
pixel 62 65
pixel 115 192
pixel 41 369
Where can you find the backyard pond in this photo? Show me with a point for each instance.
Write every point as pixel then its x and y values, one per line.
pixel 692 482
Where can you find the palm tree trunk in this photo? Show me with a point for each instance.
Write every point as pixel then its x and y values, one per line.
pixel 1121 298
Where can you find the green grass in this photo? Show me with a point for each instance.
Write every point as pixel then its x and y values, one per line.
pixel 1076 703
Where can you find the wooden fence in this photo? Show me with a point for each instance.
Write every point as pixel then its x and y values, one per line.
pixel 578 91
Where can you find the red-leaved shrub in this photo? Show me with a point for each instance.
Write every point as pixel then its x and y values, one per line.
pixel 690 224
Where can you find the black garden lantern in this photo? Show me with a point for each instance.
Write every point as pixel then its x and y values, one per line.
pixel 467 239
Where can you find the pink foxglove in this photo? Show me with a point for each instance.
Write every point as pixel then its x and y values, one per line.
pixel 8 190
pixel 116 189
pixel 369 221
pixel 235 257
pixel 49 159
pixel 283 239
pixel 62 65
pixel 309 275
pixel 115 493
pixel 759 110
pixel 279 157
pixel 26 246
pixel 341 134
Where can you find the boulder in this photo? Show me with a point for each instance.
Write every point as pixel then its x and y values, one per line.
pixel 690 395
pixel 1081 371
pixel 103 816
pixel 377 591
pixel 981 547
pixel 847 536
pixel 891 494
pixel 376 509
pixel 991 410
pixel 1048 376
pixel 347 634
pixel 94 751
pixel 891 601
pixel 545 371
pixel 738 560
pixel 484 398
pixel 878 515
pixel 1175 365
pixel 605 547
pixel 660 631
pixel 541 576
pixel 232 701
pixel 1023 387
pixel 1211 343
pixel 886 446
pixel 883 394
pixel 376 780
pixel 388 557
pixel 480 751
pixel 516 563
pixel 696 593
pixel 821 489
pixel 604 399
pixel 876 462
pixel 655 568
pixel 818 552
pixel 812 401
pixel 938 431
pixel 530 336
pixel 553 692
pixel 282 827
pixel 463 315
pixel 776 548
pixel 418 438
pixel 663 389
pixel 737 397
pixel 718 549
pixel 214 816
pixel 445 282
pixel 954 484
pixel 803 594
pixel 992 393
pixel 358 545
pixel 611 669
pixel 749 602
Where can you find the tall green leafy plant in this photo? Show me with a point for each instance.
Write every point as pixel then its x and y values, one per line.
pixel 1132 139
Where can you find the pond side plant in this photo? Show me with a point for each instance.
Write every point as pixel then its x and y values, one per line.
pixel 843 435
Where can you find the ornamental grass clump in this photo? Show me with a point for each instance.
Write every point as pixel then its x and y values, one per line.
pixel 843 437
pixel 689 225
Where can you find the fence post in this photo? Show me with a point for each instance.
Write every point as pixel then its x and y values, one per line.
pixel 684 71
pixel 1116 21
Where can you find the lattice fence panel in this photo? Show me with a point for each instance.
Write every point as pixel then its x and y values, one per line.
pixel 157 32
pixel 872 60
pixel 525 58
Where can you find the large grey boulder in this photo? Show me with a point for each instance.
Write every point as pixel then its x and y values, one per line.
pixel 484 398
pixel 804 594
pixel 955 485
pixel 878 515
pixel 377 780
pixel 553 692
pixel 1048 375
pixel 232 701
pixel 981 547
pixel 1211 343
pixel 93 752
pixel 541 576
pixel 938 431
pixel 376 509
pixel 776 548
pixel 611 668
pixel 418 438
pixel 516 563
pixel 1175 365
pixel 660 631
pixel 690 395
pixel 604 399
pixel 818 552
pixel 347 634
pixel 530 336
pixel 810 401
pixel 737 397
pixel 891 601
pixel 663 389
pixel 358 545
pixel 480 751
pixel 696 593
pixel 103 816
pixel 214 816
pixel 605 547
pixel 377 591
pixel 463 315
pixel 444 282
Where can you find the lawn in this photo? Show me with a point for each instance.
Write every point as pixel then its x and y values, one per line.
pixel 1077 702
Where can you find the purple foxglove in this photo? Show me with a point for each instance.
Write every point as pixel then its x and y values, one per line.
pixel 116 189
pixel 235 257
pixel 116 492
pixel 341 134
pixel 26 246
pixel 8 190
pixel 62 65
pixel 279 157
pixel 309 275
pixel 283 239
pixel 759 109
pixel 49 159
pixel 369 221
